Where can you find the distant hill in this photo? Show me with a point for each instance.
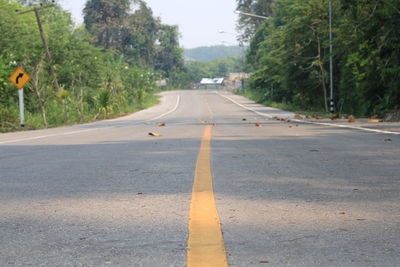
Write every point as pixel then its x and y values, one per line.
pixel 210 53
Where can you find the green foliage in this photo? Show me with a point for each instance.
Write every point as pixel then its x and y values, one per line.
pixel 138 35
pixel 248 24
pixel 197 70
pixel 290 55
pixel 211 53
pixel 96 82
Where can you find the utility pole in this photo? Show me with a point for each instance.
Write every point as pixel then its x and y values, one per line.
pixel 43 37
pixel 332 103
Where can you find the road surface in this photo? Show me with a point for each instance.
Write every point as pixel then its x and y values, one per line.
pixel 287 193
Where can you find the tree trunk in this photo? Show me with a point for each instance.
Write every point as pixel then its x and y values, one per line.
pixel 37 91
pixel 323 79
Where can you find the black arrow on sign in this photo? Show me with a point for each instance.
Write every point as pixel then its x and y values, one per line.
pixel 18 77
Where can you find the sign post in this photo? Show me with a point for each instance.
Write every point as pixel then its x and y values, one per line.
pixel 21 107
pixel 19 78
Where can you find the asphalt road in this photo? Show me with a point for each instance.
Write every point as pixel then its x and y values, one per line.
pixel 287 193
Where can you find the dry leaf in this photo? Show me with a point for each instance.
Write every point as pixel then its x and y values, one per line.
pixel 257 124
pixel 154 134
pixel 342 212
pixel 160 124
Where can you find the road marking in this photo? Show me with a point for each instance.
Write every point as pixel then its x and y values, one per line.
pixel 44 136
pixel 346 126
pixel 315 123
pixel 240 105
pixel 168 112
pixel 205 244
pixel 88 130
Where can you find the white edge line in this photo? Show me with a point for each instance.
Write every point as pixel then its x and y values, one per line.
pixel 312 122
pixel 255 111
pixel 88 130
pixel 44 136
pixel 168 112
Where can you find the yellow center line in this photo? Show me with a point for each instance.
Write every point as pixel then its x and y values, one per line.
pixel 205 244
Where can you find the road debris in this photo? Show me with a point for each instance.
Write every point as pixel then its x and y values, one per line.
pixel 375 121
pixel 154 134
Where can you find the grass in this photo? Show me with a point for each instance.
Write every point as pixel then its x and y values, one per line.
pixel 56 117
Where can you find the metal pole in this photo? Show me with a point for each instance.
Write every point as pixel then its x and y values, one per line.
pixel 332 104
pixel 21 107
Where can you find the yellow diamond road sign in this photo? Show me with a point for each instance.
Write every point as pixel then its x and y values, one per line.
pixel 19 78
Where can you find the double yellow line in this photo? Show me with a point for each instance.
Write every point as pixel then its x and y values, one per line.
pixel 205 244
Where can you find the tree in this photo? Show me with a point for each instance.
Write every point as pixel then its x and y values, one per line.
pixel 105 20
pixel 290 51
pixel 169 55
pixel 247 25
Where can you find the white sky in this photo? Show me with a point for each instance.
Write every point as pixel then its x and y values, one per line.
pixel 199 21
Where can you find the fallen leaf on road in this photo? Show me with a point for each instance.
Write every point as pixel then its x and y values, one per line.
pixel 160 124
pixel 290 126
pixel 244 119
pixel 342 212
pixel 257 124
pixel 154 134
pixel 375 120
